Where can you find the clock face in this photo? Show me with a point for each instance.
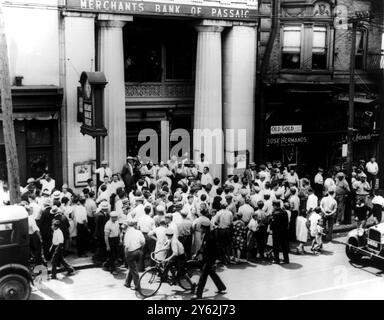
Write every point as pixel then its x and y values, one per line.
pixel 87 90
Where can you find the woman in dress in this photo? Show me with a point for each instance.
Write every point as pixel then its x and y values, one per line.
pixel 239 237
pixel 301 231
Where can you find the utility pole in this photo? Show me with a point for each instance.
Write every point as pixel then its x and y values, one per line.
pixel 6 109
pixel 351 104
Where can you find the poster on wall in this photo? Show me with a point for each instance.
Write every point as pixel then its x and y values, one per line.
pixel 82 172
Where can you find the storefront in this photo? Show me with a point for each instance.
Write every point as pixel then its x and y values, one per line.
pixel 309 128
pixel 37 130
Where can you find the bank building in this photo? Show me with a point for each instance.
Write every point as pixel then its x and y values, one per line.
pixel 168 64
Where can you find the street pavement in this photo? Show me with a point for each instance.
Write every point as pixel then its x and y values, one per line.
pixel 326 276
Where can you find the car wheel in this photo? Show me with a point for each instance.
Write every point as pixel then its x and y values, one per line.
pixel 14 287
pixel 353 254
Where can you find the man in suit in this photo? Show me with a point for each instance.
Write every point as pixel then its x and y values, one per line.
pixel 209 252
pixel 279 227
pixel 127 175
pixel 250 172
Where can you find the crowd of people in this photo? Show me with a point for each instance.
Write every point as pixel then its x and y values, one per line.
pixel 171 209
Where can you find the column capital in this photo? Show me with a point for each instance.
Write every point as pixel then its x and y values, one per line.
pixel 112 20
pixel 209 28
pixel 212 25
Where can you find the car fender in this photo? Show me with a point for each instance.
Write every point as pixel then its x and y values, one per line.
pixel 353 234
pixel 16 268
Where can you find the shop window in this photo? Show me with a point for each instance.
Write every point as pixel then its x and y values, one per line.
pixel 361 37
pixel 319 48
pixel 291 54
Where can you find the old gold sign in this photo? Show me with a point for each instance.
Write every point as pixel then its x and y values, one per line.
pixel 168 9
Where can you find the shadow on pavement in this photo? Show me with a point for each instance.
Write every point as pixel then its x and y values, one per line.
pixel 291 266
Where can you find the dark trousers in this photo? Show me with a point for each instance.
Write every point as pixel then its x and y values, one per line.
pixel 328 222
pixel 224 237
pixel 47 243
pixel 292 225
pixel 133 258
pixel 371 179
pixel 280 242
pixel 318 189
pixel 91 226
pixel 100 253
pixel 82 239
pixel 208 271
pixel 261 240
pixel 58 259
pixel 35 248
pixel 187 244
pixel 113 253
pixel 145 259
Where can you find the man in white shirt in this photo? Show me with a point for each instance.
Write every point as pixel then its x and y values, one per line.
pixel 104 171
pixel 138 211
pixel 372 171
pixel 115 184
pixel 206 177
pixel 133 244
pixel 146 224
pixel 81 220
pixel 328 206
pixel 47 182
pixel 57 249
pixel 112 238
pixel 201 165
pixel 312 201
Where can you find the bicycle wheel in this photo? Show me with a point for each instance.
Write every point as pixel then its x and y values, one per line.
pixel 150 282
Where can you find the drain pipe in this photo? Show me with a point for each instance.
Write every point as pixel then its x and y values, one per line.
pixel 275 24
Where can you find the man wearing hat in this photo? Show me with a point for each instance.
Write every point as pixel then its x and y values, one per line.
pixel 342 190
pixel 209 251
pixel 29 189
pixel 280 236
pixel 112 238
pixel 101 218
pixel 319 183
pixel 177 257
pixel 138 211
pixel 104 171
pixel 45 226
pixel 127 175
pixel 57 250
pixel 133 244
pixel 47 182
pixel 362 188
pixel 56 195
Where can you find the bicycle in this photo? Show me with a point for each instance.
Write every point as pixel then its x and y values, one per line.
pixel 152 279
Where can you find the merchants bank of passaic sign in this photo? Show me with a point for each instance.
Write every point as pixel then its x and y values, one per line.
pixel 161 8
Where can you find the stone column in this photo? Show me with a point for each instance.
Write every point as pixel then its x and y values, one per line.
pixel 239 79
pixel 111 62
pixel 208 96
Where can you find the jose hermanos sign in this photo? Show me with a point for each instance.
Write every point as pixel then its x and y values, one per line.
pixel 241 11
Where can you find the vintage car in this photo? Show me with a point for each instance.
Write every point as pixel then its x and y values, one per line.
pixel 366 242
pixel 15 275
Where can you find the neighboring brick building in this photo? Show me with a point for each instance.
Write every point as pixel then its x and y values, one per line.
pixel 306 84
